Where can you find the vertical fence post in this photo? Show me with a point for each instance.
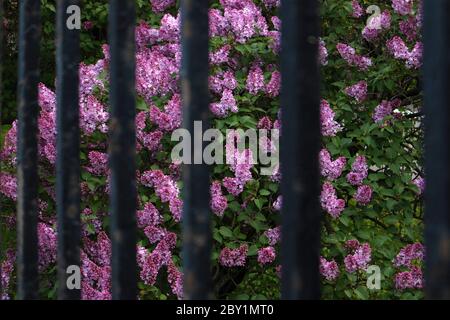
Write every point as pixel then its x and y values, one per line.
pixel 436 78
pixel 196 213
pixel 122 149
pixel 300 141
pixel 27 174
pixel 68 147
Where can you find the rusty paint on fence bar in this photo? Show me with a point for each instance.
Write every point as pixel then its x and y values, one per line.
pixel 196 214
pixel 300 142
pixel 122 149
pixel 68 148
pixel 436 77
pixel 27 176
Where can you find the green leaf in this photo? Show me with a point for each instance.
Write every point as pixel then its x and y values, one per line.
pixel 226 232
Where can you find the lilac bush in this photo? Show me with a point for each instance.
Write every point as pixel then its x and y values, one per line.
pixel 370 157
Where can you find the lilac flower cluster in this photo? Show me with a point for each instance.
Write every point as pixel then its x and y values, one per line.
pixel 398 48
pixel 273 235
pixel 245 19
pixel 6 270
pixel 98 162
pixel 353 59
pixel 323 53
pixel 329 269
pixel 359 171
pixel 384 109
pixel 161 5
pixel 278 203
pixel 46 245
pixel 420 183
pixel 363 194
pixel 8 185
pixel 233 257
pixel 169 119
pixel 358 10
pixel 148 216
pixel 151 262
pixel 240 163
pixel 402 7
pixel 359 258
pixel 411 253
pixel 357 91
pixel 376 26
pixel 266 255
pixel 330 202
pixel 219 202
pixel 410 28
pixel 328 168
pixel 166 189
pixel 255 80
pixel 329 126
pixel 412 279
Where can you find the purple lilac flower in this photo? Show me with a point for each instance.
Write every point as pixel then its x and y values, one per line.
pixel 359 171
pixel 402 7
pixel 218 201
pixel 376 26
pixel 175 279
pixel 408 254
pixel 357 91
pixel 98 162
pixel 88 25
pixel 349 55
pixel 161 5
pixel 381 111
pixel 166 189
pixel 420 183
pixel 220 56
pixel 278 203
pixel 329 269
pixel 233 257
pixel 398 48
pixel 169 119
pixel 273 87
pixel 8 185
pixel 6 270
pixel 266 255
pixel 323 53
pixel 46 245
pixel 273 235
pixel 148 216
pixel 264 123
pixel 329 126
pixel 412 279
pixel 245 19
pixel 358 10
pixel 255 80
pixel 328 168
pixel 409 28
pixel 329 201
pixel 363 194
pixel 359 260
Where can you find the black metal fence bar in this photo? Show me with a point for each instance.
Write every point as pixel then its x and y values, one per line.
pixel 437 148
pixel 300 141
pixel 68 148
pixel 196 215
pixel 27 174
pixel 122 149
